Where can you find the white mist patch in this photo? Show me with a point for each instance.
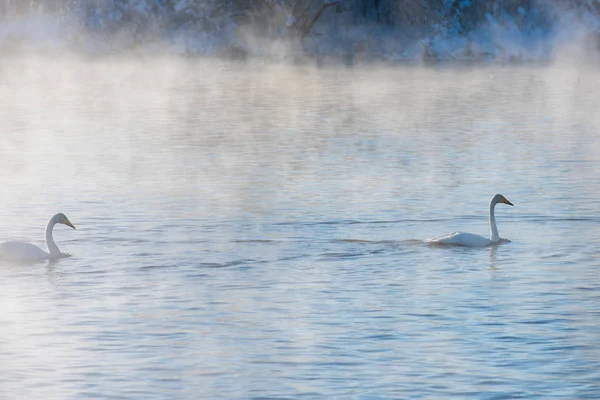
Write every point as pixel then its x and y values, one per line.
pixel 32 33
pixel 189 29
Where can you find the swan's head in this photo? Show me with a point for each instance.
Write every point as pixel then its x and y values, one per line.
pixel 61 218
pixel 500 199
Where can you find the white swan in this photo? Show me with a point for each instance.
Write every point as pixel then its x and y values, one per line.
pixel 21 251
pixel 470 239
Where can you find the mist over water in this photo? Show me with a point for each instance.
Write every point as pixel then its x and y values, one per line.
pixel 255 231
pixel 324 32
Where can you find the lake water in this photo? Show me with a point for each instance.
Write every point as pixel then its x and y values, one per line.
pixel 255 232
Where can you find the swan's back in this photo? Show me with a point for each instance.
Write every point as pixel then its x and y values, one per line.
pixel 461 239
pixel 21 251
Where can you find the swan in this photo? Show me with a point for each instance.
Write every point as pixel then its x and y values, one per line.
pixel 470 239
pixel 22 251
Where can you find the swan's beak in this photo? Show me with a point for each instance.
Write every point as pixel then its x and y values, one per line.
pixel 68 223
pixel 508 202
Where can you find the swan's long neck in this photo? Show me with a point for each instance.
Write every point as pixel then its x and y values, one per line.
pixel 494 237
pixel 52 247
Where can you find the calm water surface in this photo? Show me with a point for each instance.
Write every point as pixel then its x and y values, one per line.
pixel 255 232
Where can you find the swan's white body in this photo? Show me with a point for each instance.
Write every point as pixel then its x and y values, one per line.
pixel 21 251
pixel 470 239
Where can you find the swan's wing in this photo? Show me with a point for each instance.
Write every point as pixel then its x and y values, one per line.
pixel 21 251
pixel 442 238
pixel 460 239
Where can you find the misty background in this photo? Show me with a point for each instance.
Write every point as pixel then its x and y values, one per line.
pixel 256 229
pixel 351 30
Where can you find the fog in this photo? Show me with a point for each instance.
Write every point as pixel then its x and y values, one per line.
pixel 251 208
pixel 110 121
pixel 318 31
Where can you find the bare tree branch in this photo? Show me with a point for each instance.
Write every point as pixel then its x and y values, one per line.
pixel 324 7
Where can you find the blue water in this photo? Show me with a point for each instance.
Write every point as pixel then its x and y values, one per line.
pixel 254 232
